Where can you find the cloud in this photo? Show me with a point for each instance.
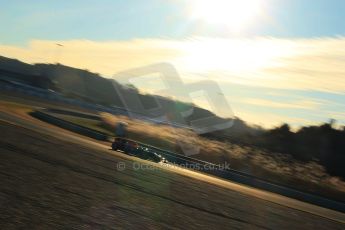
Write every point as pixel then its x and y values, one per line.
pixel 107 58
pixel 299 64
pixel 269 119
pixel 300 104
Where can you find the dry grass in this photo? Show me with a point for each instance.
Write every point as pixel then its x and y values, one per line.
pixel 277 167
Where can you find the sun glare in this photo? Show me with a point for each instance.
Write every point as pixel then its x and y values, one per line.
pixel 234 56
pixel 235 14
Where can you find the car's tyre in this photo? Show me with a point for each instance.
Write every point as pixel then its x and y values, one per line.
pixel 127 148
pixel 114 146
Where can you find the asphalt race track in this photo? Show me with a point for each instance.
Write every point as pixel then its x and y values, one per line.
pixel 51 178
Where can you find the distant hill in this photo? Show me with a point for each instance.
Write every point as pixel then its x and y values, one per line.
pixel 91 87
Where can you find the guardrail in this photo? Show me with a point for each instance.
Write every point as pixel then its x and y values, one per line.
pixel 70 126
pixel 74 113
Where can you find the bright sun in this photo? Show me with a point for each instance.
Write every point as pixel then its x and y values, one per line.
pixel 235 14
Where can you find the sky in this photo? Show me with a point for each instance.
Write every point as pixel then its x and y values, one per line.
pixel 275 61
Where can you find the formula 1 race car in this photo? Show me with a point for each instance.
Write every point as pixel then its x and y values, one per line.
pixel 134 148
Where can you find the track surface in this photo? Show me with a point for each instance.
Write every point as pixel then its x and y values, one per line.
pixel 55 179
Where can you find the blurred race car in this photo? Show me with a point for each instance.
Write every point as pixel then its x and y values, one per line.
pixel 134 148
